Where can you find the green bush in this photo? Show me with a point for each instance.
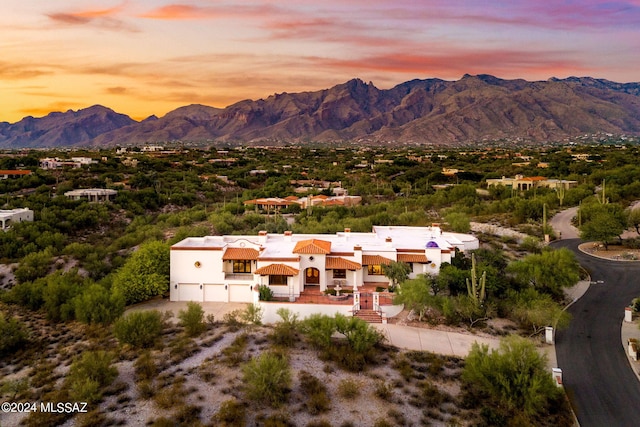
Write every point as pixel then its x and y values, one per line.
pixel 13 334
pixel 89 374
pixel 513 380
pixel 252 315
pixel 265 293
pixel 285 332
pixel 139 328
pixel 145 274
pixel 192 319
pixel 267 379
pixel 97 305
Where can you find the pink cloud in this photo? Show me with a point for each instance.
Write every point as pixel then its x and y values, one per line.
pixel 104 18
pixel 459 63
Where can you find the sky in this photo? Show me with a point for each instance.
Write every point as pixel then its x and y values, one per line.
pixel 144 57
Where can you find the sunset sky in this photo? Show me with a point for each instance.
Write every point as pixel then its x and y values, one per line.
pixel 143 57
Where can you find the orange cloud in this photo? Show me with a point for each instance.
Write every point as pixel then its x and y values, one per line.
pixel 187 12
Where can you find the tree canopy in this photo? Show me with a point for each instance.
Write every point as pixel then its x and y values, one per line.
pixel 145 274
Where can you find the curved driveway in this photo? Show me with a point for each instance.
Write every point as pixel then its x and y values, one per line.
pixel 602 387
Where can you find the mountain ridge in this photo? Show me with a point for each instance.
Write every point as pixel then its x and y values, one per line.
pixel 422 112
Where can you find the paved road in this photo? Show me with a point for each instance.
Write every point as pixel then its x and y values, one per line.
pixel 603 389
pixel 561 223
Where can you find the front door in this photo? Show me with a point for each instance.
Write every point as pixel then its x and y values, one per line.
pixel 312 276
pixel 366 301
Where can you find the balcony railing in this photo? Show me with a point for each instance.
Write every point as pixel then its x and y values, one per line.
pixel 238 276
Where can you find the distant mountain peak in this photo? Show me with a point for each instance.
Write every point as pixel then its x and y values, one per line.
pixel 432 111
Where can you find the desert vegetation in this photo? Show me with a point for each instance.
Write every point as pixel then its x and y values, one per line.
pixel 68 277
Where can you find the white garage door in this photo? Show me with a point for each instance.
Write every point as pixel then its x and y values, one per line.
pixel 215 292
pixel 240 293
pixel 190 292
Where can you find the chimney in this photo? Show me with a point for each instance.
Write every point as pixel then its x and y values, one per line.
pixel 347 233
pixel 388 241
pixel 357 248
pixel 287 235
pixel 262 236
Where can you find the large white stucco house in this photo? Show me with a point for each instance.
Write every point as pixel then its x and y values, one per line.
pixel 230 268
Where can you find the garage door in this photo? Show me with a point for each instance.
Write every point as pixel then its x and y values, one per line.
pixel 190 292
pixel 240 293
pixel 215 292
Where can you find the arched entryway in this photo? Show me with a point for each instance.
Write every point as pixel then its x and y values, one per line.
pixel 312 277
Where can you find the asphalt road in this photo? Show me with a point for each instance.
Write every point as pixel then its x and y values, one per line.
pixel 602 387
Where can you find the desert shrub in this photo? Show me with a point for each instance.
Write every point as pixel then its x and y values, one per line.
pixel 318 328
pixel 34 265
pixel 231 414
pixel 139 328
pixel 267 379
pixel 510 381
pixel 265 293
pixel 232 320
pixel 233 355
pixel 97 305
pixel 384 391
pixel 349 389
pixel 278 420
pixel 13 334
pixel 145 367
pixel 285 332
pixel 315 392
pixel 252 314
pixel 192 319
pixel 90 374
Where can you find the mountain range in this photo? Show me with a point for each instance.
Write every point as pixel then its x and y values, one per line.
pixel 421 112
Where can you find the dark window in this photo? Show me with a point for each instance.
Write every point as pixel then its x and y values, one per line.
pixel 277 280
pixel 339 274
pixel 242 266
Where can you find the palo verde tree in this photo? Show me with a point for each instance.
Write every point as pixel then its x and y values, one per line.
pixel 397 272
pixel 513 383
pixel 145 274
pixel 548 272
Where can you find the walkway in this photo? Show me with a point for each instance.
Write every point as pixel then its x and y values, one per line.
pixel 435 341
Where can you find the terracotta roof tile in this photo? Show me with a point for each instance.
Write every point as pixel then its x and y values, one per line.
pixel 337 263
pixel 277 270
pixel 375 260
pixel 420 258
pixel 239 253
pixel 312 246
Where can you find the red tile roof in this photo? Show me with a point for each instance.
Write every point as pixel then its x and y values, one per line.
pixel 420 258
pixel 277 270
pixel 239 253
pixel 312 246
pixel 375 260
pixel 337 263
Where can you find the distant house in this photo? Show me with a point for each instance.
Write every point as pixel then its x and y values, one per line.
pixel 74 162
pixel 11 216
pixel 92 194
pixel 6 174
pixel 523 183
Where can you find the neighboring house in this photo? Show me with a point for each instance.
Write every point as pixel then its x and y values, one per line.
pixel 92 194
pixel 74 162
pixel 5 174
pixel 277 203
pixel 11 216
pixel 229 268
pixel 523 183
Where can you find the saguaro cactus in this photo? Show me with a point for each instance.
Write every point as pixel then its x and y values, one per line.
pixel 475 287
